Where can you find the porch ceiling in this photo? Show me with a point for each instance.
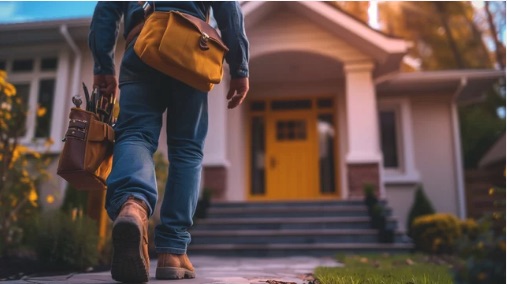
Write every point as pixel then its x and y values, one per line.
pixel 292 67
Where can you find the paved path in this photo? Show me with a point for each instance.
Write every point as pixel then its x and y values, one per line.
pixel 214 270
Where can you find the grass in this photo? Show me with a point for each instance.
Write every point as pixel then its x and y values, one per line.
pixel 385 269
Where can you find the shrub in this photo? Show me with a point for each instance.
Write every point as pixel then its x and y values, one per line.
pixel 370 199
pixel 436 233
pixel 482 253
pixel 469 229
pixel 421 206
pixel 65 242
pixel 21 168
pixel 378 217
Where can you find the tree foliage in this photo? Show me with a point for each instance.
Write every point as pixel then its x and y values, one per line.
pixel 453 35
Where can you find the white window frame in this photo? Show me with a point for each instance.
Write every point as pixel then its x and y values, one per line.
pixel 61 76
pixel 406 171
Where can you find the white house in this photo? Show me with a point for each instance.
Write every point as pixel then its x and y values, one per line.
pixel 328 112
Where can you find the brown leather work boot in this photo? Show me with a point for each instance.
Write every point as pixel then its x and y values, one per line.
pixel 131 262
pixel 174 266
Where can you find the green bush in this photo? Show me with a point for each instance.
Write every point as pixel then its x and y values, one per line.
pixel 421 206
pixel 482 252
pixel 436 233
pixel 370 198
pixel 64 242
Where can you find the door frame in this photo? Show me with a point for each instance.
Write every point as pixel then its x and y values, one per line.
pixel 266 114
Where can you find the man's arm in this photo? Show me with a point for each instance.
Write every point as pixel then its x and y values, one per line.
pixel 102 42
pixel 230 22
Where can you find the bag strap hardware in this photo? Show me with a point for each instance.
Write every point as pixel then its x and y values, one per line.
pixel 203 41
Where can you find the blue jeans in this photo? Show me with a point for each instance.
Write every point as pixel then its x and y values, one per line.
pixel 144 96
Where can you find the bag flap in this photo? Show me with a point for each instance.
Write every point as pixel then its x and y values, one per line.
pixel 100 131
pixel 202 26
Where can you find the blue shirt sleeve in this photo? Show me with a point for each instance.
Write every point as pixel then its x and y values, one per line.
pixel 106 19
pixel 230 22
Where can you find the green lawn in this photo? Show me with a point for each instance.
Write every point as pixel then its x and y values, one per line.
pixel 383 268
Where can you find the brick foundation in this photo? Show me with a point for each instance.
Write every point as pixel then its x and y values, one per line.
pixel 215 179
pixel 361 174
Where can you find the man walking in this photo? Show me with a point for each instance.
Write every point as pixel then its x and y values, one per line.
pixel 145 95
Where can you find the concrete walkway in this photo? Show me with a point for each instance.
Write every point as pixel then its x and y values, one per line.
pixel 215 270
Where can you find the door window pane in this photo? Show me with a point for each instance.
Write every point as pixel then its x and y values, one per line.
pixel 287 130
pixel 388 133
pixel 327 140
pixel 45 108
pixel 257 157
pixel 324 103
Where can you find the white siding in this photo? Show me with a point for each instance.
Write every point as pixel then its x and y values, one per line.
pixel 434 150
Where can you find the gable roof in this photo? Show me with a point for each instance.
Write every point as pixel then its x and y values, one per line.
pixel 387 51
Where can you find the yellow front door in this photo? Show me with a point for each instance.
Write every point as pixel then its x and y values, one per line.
pixel 291 156
pixel 292 149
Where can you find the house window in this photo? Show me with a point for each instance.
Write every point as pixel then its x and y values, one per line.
pixel 396 141
pixel 389 138
pixel 35 81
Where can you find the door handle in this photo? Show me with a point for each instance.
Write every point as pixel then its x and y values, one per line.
pixel 272 162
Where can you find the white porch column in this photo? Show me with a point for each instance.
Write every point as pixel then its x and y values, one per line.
pixel 215 146
pixel 363 157
pixel 215 152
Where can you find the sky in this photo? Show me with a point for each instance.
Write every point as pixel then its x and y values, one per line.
pixel 27 11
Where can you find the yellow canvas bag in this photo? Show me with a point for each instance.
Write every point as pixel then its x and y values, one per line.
pixel 183 47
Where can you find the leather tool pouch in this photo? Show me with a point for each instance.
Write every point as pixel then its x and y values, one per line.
pixel 86 159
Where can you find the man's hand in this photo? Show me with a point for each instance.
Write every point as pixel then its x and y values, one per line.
pixel 106 83
pixel 238 88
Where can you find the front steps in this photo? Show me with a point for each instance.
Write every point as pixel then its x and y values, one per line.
pixel 290 228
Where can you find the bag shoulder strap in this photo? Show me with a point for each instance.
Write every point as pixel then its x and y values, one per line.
pixel 150 8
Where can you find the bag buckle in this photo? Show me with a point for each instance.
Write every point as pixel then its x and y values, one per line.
pixel 203 41
pixel 147 8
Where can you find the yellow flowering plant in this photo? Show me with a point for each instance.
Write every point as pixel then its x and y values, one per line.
pixel 21 168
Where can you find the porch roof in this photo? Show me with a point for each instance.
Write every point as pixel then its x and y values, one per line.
pixel 387 51
pixel 42 31
pixel 467 85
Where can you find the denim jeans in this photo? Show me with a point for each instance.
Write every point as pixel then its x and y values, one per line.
pixel 144 96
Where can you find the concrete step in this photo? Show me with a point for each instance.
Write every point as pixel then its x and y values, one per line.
pixel 290 204
pixel 304 211
pixel 277 223
pixel 321 249
pixel 288 236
